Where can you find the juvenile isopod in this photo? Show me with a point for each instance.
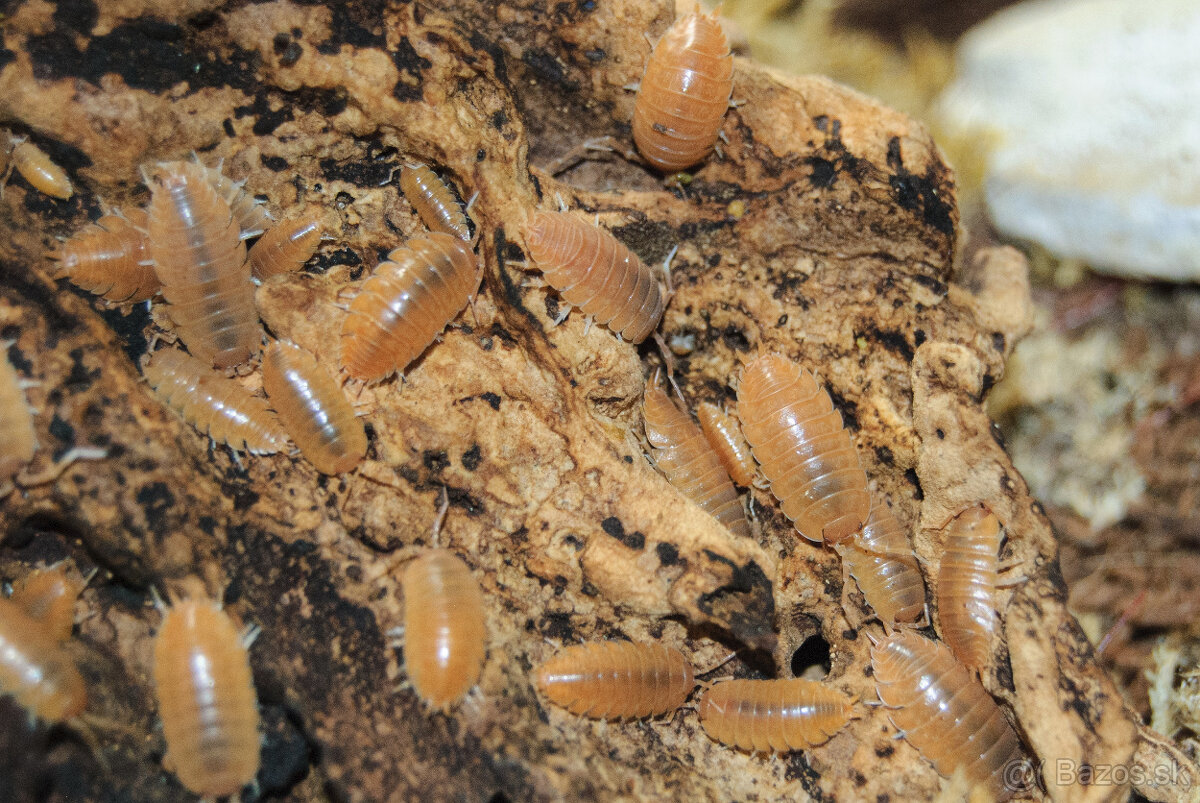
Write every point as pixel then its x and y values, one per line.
pixel 617 679
pixel 433 201
pixel 966 589
pixel 111 258
pixel 313 409
pixel 36 167
pixel 888 574
pixel 780 715
pixel 35 669
pixel 214 404
pixel 406 303
pixel 943 711
pixel 804 450
pixel 250 214
pixel 49 595
pixel 202 265
pixel 682 454
pixel 595 272
pixel 724 434
pixel 684 93
pixel 286 246
pixel 206 699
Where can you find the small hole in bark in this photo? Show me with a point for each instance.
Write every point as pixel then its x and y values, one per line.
pixel 811 659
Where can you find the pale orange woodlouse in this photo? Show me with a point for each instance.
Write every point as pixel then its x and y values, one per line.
pixel 433 201
pixel 36 167
pixel 201 262
pixel 804 450
pixel 314 411
pixel 684 93
pixel 682 454
pixel 213 404
pixel 617 679
pixel 35 669
pixel 206 699
pixel 724 434
pixel 111 258
pixel 406 303
pixel 596 272
pixel 49 595
pixel 966 588
pixel 250 214
pixel 286 246
pixel 886 569
pixel 780 715
pixel 943 711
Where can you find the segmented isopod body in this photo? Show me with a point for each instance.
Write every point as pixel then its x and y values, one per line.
pixel 445 640
pixel 313 409
pixel 617 679
pixel 36 167
pixel 803 448
pixel 206 699
pixel 250 214
pixel 434 202
pixel 111 258
pixel 595 272
pixel 202 265
pixel 689 463
pixel 725 436
pixel 684 93
pixel 882 562
pixel 216 405
pixel 35 669
pixel 966 589
pixel 406 303
pixel 780 715
pixel 286 246
pixel 18 440
pixel 943 711
pixel 48 595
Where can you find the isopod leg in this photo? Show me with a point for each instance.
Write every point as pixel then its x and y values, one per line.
pixel 51 474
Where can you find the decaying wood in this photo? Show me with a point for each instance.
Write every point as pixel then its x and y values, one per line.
pixel 827 231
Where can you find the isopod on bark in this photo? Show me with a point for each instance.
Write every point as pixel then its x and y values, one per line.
pixel 882 562
pixel 617 679
pixel 780 715
pixel 286 246
pixel 433 201
pixel 111 258
pixel 36 167
pixel 966 589
pixel 49 595
pixel 35 669
pixel 724 434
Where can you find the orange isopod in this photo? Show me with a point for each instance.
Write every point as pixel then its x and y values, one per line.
pixel 406 303
pixel 250 214
pixel 216 405
pixel 882 562
pixel 683 455
pixel 286 246
pixel 111 258
pixel 684 93
pixel 595 272
pixel 206 699
pixel 943 711
pixel 966 589
pixel 617 679
pixel 780 715
pixel 444 632
pixel 803 448
pixel 725 436
pixel 36 167
pixel 202 265
pixel 35 669
pixel 18 440
pixel 433 201
pixel 313 409
pixel 49 595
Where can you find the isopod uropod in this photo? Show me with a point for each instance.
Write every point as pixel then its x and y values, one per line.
pixel 111 258
pixel 764 715
pixel 683 455
pixel 882 562
pixel 35 669
pixel 943 711
pixel 724 434
pixel 286 246
pixel 433 201
pixel 966 589
pixel 36 167
pixel 49 595
pixel 804 450
pixel 617 679
pixel 313 409
pixel 206 699
pixel 684 93
pixel 406 303
pixel 595 272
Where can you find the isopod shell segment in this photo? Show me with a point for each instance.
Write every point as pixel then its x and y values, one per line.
pixel 36 167
pixel 215 405
pixel 248 212
pixel 111 258
pixel 206 699
pixel 803 448
pixel 617 679
pixel 778 715
pixel 724 434
pixel 684 93
pixel 966 588
pixel 18 440
pixel 683 455
pixel 882 562
pixel 594 271
pixel 286 246
pixel 445 640
pixel 313 409
pixel 433 201
pixel 406 303
pixel 943 711
pixel 49 595
pixel 34 668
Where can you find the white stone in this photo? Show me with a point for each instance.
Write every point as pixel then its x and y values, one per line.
pixel 1095 110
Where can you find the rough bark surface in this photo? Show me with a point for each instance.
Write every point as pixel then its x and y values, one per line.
pixel 826 231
